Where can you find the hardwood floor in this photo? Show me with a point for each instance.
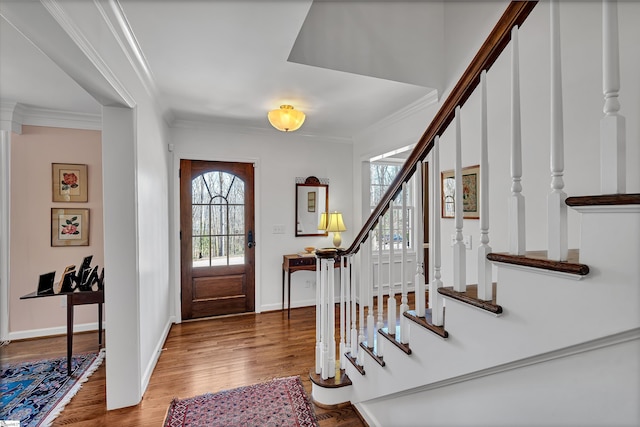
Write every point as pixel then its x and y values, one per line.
pixel 198 357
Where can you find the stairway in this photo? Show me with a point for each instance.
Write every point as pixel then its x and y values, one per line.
pixel 544 337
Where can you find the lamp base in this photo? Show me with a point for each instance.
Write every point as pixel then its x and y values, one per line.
pixel 337 239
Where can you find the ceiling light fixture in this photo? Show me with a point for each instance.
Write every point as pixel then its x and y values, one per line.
pixel 286 119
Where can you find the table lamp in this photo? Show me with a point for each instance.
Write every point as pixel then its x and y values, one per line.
pixel 336 225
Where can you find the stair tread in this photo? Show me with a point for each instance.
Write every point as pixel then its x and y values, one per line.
pixel 340 380
pixel 371 352
pixel 352 359
pixel 604 200
pixel 426 322
pixel 470 296
pixel 539 259
pixel 394 339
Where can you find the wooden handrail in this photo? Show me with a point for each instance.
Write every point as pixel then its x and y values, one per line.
pixel 514 15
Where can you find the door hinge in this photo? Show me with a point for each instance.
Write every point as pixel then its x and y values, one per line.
pixel 180 234
pixel 179 173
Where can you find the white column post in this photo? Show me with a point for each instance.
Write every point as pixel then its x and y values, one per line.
pixel 517 245
pixel 419 280
pixel 324 283
pixel 435 300
pixel 459 249
pixel 612 125
pixel 5 230
pixel 331 313
pixel 558 234
pixel 343 307
pixel 319 309
pixel 485 278
pixel 391 302
pixel 347 322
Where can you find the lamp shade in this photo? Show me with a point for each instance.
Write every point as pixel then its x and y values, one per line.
pixel 335 222
pixel 323 221
pixel 286 119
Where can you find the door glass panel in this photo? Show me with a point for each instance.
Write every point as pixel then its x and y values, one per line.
pixel 218 226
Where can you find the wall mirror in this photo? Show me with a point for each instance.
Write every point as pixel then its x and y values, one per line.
pixel 312 200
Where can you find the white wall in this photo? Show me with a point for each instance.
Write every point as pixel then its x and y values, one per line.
pixel 279 158
pixel 32 153
pixel 595 388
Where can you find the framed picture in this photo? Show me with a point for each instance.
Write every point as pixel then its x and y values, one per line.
pixel 311 201
pixel 470 193
pixel 69 227
pixel 69 182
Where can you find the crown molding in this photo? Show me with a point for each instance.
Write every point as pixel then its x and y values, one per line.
pixel 13 116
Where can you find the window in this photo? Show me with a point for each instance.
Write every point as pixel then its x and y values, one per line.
pixel 218 219
pixel 382 175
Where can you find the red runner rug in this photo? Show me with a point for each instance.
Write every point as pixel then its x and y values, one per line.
pixel 280 402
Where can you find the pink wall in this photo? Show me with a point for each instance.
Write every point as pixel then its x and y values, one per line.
pixel 32 154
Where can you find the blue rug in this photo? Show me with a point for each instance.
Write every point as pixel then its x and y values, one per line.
pixel 34 393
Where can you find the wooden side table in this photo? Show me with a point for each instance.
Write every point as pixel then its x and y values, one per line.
pixel 73 299
pixel 291 264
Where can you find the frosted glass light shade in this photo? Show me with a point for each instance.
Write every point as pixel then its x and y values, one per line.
pixel 286 119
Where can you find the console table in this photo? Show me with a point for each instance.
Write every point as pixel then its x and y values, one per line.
pixel 291 264
pixel 73 299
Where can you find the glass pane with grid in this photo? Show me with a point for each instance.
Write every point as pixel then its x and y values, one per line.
pixel 217 219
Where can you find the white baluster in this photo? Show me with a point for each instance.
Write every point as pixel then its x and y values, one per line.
pixel 324 319
pixel 360 316
pixel 612 125
pixel 517 243
pixel 332 318
pixel 404 300
pixel 343 307
pixel 459 250
pixel 556 208
pixel 419 280
pixel 485 281
pixel 391 302
pixel 354 318
pixel 380 324
pixel 368 276
pixel 435 299
pixel 319 286
pixel 347 322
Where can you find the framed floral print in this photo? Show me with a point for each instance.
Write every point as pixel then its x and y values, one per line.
pixel 69 227
pixel 470 193
pixel 69 182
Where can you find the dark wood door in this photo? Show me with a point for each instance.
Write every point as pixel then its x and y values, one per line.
pixel 217 238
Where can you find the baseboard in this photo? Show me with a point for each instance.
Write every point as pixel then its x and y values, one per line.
pixel 146 377
pixel 58 330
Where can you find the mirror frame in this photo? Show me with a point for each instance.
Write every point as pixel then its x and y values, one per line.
pixel 311 181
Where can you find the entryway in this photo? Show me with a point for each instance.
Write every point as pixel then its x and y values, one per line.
pixel 217 238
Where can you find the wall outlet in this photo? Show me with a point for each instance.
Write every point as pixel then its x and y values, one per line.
pixel 63 302
pixel 278 229
pixel 466 239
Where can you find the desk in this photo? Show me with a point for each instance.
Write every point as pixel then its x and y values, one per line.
pixel 293 263
pixel 73 299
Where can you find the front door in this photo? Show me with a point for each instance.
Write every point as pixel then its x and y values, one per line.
pixel 217 238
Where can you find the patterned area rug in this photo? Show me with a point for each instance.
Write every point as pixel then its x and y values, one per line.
pixel 280 402
pixel 34 393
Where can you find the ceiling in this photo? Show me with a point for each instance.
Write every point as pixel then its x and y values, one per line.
pixel 347 65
